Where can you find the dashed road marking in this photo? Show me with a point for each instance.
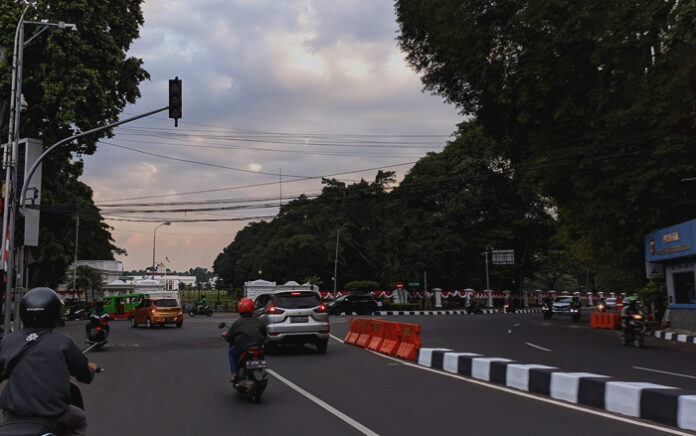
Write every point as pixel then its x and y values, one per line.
pixel 537 347
pixel 664 372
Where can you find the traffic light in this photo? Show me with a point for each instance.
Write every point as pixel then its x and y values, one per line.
pixel 175 100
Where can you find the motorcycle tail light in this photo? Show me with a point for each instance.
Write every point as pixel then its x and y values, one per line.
pixel 98 328
pixel 637 316
pixel 321 308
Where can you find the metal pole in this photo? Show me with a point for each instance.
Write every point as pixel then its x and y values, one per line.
pixel 10 156
pixel 77 232
pixel 485 255
pixel 336 259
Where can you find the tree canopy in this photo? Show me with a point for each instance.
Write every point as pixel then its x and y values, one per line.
pixel 72 82
pixel 593 102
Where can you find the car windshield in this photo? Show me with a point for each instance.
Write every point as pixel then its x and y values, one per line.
pixel 611 300
pixel 299 301
pixel 169 302
pixel 564 299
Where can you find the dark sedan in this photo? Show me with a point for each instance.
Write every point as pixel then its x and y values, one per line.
pixel 362 304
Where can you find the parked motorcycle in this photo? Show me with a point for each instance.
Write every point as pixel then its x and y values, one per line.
pixel 76 312
pixel 98 332
pixel 634 331
pixel 205 310
pixel 252 377
pixel 37 425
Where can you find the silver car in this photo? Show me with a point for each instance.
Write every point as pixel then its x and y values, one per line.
pixel 294 317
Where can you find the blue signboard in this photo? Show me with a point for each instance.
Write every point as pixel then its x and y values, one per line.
pixel 670 243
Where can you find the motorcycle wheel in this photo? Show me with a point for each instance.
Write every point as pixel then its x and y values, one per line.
pixel 192 313
pixel 256 396
pixel 209 312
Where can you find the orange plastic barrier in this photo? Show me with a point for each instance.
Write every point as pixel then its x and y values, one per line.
pixel 367 326
pixel 353 333
pixel 605 320
pixel 391 339
pixel 377 336
pixel 410 341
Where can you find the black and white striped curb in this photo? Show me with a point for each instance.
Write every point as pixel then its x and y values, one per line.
pixel 677 337
pixel 447 312
pixel 663 404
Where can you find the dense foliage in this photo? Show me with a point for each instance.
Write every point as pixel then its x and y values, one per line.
pixel 591 101
pixel 72 82
pixel 438 221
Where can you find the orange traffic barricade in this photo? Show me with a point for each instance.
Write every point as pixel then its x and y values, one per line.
pixel 410 341
pixel 377 336
pixel 391 338
pixel 366 329
pixel 353 333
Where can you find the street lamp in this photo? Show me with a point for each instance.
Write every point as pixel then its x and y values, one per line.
pixel 154 239
pixel 11 150
pixel 335 277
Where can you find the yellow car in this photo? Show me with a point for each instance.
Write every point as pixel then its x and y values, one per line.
pixel 160 311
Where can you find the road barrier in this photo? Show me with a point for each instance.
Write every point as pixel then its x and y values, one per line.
pixel 392 338
pixel 605 320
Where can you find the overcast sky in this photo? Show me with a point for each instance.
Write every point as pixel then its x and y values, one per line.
pixel 272 90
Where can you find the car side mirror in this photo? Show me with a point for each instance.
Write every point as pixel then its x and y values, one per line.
pixel 221 325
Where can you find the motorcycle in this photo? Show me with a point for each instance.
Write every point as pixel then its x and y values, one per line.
pixel 76 312
pixel 508 307
pixel 252 377
pixel 472 307
pixel 634 331
pixel 98 332
pixel 205 310
pixel 38 425
pixel 547 310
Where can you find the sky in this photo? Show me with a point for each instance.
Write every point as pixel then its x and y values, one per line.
pixel 276 94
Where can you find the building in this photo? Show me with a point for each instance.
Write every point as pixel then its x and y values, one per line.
pixel 671 253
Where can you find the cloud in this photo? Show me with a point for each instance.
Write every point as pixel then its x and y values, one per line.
pixel 302 67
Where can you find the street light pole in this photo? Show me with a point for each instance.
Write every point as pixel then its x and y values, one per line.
pixel 154 239
pixel 11 153
pixel 335 277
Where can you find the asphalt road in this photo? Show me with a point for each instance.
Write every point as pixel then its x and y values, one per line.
pixel 558 342
pixel 175 381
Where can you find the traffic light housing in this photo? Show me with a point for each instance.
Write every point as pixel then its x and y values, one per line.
pixel 175 100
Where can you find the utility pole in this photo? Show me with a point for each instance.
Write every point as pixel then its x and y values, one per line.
pixel 74 277
pixel 335 277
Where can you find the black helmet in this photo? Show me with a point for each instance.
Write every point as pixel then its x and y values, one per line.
pixel 40 307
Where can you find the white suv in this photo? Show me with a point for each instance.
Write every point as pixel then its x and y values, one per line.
pixel 294 317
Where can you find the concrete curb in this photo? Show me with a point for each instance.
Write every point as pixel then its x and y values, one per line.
pixel 676 337
pixel 447 312
pixel 663 404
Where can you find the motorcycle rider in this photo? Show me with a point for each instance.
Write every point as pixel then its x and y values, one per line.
pixel 243 333
pixel 202 303
pixel 95 316
pixel 38 363
pixel 630 308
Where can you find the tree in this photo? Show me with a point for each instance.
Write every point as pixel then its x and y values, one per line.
pixel 73 82
pixel 590 102
pixel 86 278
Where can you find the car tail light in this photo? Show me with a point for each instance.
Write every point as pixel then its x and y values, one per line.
pixel 295 294
pixel 274 310
pixel 321 308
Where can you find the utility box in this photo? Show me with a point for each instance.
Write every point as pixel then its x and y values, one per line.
pixel 29 151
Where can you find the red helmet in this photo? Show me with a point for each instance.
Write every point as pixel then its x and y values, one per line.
pixel 245 305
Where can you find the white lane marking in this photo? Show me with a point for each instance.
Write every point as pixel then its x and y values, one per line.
pixel 664 372
pixel 516 325
pixel 533 396
pixel 347 419
pixel 537 347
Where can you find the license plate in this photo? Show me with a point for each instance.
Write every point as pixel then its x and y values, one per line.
pixel 170 319
pixel 256 364
pixel 303 318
